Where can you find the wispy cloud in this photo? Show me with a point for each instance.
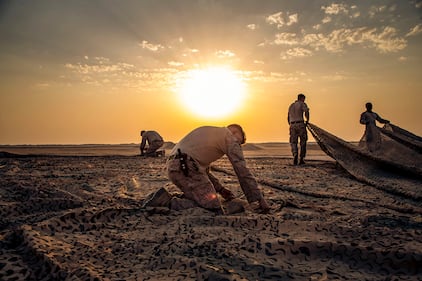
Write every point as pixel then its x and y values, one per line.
pixel 225 54
pixel 101 71
pixel 175 63
pixel 274 77
pixel 99 65
pixel 374 10
pixel 384 41
pixel 336 77
pixel 296 53
pixel 252 26
pixel 281 20
pixel 335 9
pixel 415 30
pixel 286 39
pixel 151 47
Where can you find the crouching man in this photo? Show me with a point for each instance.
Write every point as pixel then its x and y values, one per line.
pixel 188 168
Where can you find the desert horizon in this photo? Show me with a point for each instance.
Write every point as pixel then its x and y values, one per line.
pixel 268 149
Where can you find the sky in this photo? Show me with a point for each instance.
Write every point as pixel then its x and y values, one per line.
pixel 99 71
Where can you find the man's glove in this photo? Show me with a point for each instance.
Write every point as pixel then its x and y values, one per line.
pixel 226 194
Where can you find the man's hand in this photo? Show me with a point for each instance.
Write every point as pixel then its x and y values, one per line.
pixel 226 194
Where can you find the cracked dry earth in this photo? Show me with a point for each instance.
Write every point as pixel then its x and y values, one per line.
pixel 79 218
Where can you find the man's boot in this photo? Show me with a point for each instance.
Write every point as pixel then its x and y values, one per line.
pixel 160 198
pixel 295 160
pixel 301 162
pixel 179 204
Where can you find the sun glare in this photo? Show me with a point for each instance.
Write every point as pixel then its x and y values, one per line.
pixel 212 92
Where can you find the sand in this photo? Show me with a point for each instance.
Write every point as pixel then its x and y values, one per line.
pixel 78 217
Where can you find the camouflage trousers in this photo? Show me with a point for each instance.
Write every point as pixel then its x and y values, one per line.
pixel 153 147
pixel 371 138
pixel 199 186
pixel 298 131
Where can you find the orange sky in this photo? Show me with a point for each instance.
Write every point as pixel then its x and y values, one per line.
pixel 75 72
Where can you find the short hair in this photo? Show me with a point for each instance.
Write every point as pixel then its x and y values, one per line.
pixel 368 106
pixel 300 96
pixel 239 128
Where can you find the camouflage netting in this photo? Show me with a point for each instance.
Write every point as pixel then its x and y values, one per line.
pixel 394 167
pixel 403 136
pixel 80 218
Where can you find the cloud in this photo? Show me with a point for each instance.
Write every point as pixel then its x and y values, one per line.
pixel 99 65
pixel 252 26
pixel 274 77
pixel 415 30
pixel 175 63
pixel 101 72
pixel 327 19
pixel 225 54
pixel 296 53
pixel 189 52
pixel 151 47
pixel 374 10
pixel 355 15
pixel 387 41
pixel 335 77
pixel 286 39
pixel 280 21
pixel 335 9
pixel 384 41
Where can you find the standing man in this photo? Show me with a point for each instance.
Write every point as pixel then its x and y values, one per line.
pixel 372 136
pixel 155 141
pixel 298 128
pixel 189 161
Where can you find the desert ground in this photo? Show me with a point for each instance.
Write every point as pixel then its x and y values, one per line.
pixel 74 213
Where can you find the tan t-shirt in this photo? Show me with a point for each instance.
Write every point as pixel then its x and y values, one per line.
pixel 296 111
pixel 150 136
pixel 208 144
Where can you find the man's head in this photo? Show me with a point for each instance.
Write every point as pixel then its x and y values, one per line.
pixel 142 132
pixel 368 106
pixel 301 97
pixel 238 132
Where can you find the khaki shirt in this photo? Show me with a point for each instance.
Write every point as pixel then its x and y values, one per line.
pixel 208 144
pixel 150 136
pixel 296 111
pixel 369 117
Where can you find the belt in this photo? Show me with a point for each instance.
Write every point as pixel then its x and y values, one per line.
pixel 296 122
pixel 174 156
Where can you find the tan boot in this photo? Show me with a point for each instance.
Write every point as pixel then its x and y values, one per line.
pixel 159 198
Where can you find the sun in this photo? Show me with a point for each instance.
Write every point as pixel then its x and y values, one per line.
pixel 213 92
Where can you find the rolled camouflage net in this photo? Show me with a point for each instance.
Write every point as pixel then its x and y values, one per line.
pixel 394 167
pixel 403 136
